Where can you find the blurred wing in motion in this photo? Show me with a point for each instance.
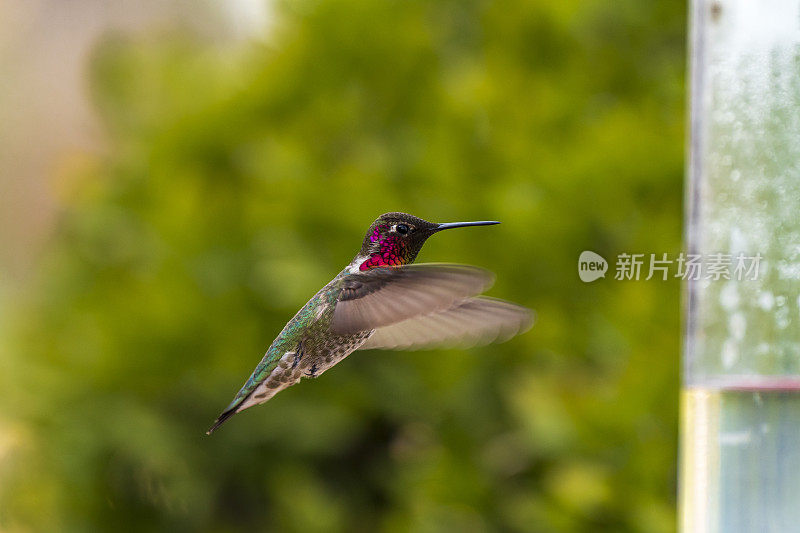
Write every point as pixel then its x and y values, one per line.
pixel 383 296
pixel 472 321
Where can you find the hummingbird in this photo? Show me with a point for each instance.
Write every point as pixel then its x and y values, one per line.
pixel 383 301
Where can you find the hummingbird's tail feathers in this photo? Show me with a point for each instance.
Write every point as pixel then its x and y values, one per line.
pixel 221 419
pixel 473 321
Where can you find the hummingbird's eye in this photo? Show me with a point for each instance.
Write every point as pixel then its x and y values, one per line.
pixel 402 229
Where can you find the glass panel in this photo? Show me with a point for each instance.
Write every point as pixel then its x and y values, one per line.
pixel 741 403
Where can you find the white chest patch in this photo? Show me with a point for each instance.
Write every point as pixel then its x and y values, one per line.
pixel 353 268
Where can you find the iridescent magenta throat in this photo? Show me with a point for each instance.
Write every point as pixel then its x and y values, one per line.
pixel 393 250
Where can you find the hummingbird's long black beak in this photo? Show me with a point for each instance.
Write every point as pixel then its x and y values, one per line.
pixel 450 225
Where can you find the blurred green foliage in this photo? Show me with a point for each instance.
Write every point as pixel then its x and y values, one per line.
pixel 239 178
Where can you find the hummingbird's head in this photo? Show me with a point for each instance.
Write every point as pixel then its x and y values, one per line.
pixel 395 239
